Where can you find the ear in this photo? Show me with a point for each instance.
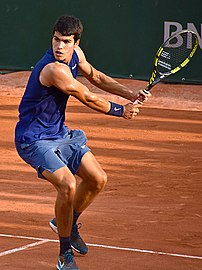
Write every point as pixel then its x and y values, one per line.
pixel 77 42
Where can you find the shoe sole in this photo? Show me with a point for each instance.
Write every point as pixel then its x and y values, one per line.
pixel 55 230
pixel 53 227
pixel 60 268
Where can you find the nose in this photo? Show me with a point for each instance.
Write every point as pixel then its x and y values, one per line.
pixel 60 44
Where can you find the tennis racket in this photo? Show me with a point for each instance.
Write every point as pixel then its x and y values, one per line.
pixel 174 54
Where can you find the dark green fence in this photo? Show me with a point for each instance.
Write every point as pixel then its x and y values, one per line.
pixel 120 37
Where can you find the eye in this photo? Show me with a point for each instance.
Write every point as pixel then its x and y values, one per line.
pixel 67 41
pixel 56 38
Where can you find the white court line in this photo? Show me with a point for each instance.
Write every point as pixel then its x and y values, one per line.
pixel 148 251
pixel 23 247
pixel 43 240
pixel 27 237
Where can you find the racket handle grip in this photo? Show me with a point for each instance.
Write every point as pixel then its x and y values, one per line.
pixel 139 102
pixel 146 91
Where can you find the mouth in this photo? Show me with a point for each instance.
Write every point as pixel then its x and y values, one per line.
pixel 58 53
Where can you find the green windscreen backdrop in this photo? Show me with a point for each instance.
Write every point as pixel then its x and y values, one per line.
pixel 120 36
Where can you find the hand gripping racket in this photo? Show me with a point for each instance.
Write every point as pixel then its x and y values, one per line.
pixel 174 54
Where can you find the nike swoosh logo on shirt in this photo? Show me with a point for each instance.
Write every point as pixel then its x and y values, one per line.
pixel 74 66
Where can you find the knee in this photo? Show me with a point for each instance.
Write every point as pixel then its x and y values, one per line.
pixel 100 181
pixel 66 188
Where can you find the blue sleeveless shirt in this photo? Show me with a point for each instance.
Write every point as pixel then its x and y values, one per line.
pixel 42 109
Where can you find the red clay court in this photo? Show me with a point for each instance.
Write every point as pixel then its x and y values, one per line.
pixel 149 216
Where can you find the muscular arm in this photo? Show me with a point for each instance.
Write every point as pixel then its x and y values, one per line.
pixel 108 84
pixel 60 76
pixel 104 82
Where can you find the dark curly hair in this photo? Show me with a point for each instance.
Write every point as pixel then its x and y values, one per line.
pixel 68 25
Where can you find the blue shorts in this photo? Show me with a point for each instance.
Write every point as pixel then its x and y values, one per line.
pixel 52 155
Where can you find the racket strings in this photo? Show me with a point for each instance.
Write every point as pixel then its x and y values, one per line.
pixel 176 50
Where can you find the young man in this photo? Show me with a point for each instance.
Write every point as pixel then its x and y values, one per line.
pixel 56 152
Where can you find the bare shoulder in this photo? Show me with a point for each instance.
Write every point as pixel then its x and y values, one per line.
pixel 85 68
pixel 80 53
pixel 55 67
pixel 52 71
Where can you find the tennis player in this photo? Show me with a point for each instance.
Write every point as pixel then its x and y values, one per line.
pixel 48 145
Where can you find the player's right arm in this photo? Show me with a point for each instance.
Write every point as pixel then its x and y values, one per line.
pixel 59 75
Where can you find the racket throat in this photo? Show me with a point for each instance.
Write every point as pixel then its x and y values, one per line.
pixel 154 82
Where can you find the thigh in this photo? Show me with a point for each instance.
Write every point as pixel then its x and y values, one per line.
pixel 41 155
pixel 89 168
pixel 59 178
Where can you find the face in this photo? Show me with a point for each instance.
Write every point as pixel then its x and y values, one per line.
pixel 63 47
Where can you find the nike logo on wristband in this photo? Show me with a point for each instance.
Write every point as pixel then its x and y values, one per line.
pixel 117 109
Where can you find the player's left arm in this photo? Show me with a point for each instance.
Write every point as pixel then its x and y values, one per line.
pixel 104 82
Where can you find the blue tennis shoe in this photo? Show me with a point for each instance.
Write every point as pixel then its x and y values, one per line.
pixel 77 242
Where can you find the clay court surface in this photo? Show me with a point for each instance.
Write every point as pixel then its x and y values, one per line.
pixel 149 216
